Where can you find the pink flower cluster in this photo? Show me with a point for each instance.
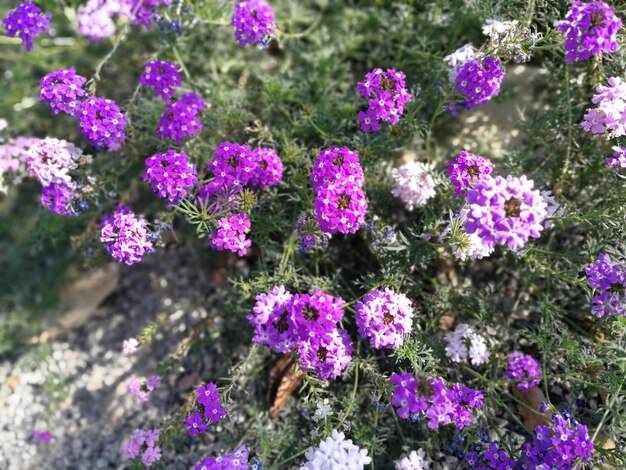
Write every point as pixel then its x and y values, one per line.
pixel 180 119
pixel 27 22
pixel 523 369
pixel 142 389
pixel 591 29
pixel 609 117
pixel 429 398
pixel 253 22
pixel 306 323
pixel 208 409
pixel 506 211
pixel 125 236
pixel 171 175
pixel 384 317
pixel 387 95
pixel 230 234
pixel 337 178
pixel 238 459
pixel 146 444
pixel 466 169
pixel 164 77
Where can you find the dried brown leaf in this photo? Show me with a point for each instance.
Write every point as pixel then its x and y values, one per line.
pixel 284 379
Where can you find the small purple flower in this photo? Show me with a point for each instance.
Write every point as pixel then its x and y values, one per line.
pixel 269 168
pixel 608 278
pixel 153 382
pixel 313 314
pixel 387 95
pixel 325 352
pixel 27 22
pixel 195 424
pixel 50 161
pixel 102 123
pixel 180 120
pixel 269 319
pixel 524 370
pixel 42 436
pixel 150 456
pixel 63 91
pixel 384 317
pixel 58 198
pixel 125 236
pixel 253 22
pixel 466 169
pixel 208 409
pixel 171 175
pixel 590 29
pixel 230 234
pixel 238 459
pixel 164 77
pixel 478 81
pixel 618 160
pixel 95 18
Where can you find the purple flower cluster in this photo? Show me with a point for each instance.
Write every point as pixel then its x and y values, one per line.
pixel 145 10
pixel 466 169
pixel 230 234
pixel 171 175
pixel 524 370
pixel 27 22
pixel 337 179
pixel 609 116
pixel 306 323
pixel 146 444
pixel 208 409
pixel 609 279
pixel 102 123
pixel 59 198
pixel 42 436
pixel 618 160
pixel 233 168
pixel 142 389
pixel 49 160
pixel 268 170
pixel 63 91
pixel 253 22
pixel 310 235
pixel 384 317
pixel 478 81
pixel 563 445
pixel 125 236
pixel 164 77
pixel 238 459
pixel 387 95
pixel 180 119
pixel 430 399
pixel 505 211
pixel 590 29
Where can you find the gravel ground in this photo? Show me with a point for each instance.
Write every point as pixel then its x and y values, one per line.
pixel 75 386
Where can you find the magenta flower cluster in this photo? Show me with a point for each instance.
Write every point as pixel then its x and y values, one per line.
pixel 608 278
pixel 430 399
pixel 590 29
pixel 253 22
pixel 609 115
pixel 387 95
pixel 27 22
pixel 506 211
pixel 618 160
pixel 171 175
pixel 230 234
pixel 467 169
pixel 63 91
pixel 164 77
pixel 337 178
pixel 384 317
pixel 142 389
pixel 478 81
pixel 268 170
pixel 524 370
pixel 306 323
pixel 208 409
pixel 59 198
pixel 237 459
pixel 144 443
pixel 125 236
pixel 180 119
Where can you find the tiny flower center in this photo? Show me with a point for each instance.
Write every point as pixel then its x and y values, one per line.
pixel 338 160
pixel 310 313
pixel 473 171
pixel 321 354
pixel 281 325
pixel 263 164
pixel 512 207
pixel 387 318
pixel 344 201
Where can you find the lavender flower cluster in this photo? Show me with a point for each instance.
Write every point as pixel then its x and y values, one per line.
pixel 253 22
pixel 142 389
pixel 465 344
pixel 384 317
pixel 237 459
pixel 609 116
pixel 164 77
pixel 524 370
pixel 608 278
pixel 144 443
pixel 387 95
pixel 207 410
pixel 171 175
pixel 429 398
pixel 125 236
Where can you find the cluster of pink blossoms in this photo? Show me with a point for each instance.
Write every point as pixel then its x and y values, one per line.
pixel 591 29
pixel 413 184
pixel 144 444
pixel 208 409
pixel 142 389
pixel 429 398
pixel 506 211
pixel 27 22
pixel 609 116
pixel 384 317
pixel 608 278
pixel 125 236
pixel 306 323
pixel 237 459
pixel 387 95
pixel 180 119
pixel 253 22
pixel 523 369
pixel 231 233
pixel 337 178
pixel 164 77
pixel 171 175
pixel 466 169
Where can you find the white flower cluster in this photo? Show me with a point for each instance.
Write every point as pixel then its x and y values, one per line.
pixel 413 184
pixel 323 411
pixel 465 343
pixel 459 57
pixel 336 453
pixel 416 460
